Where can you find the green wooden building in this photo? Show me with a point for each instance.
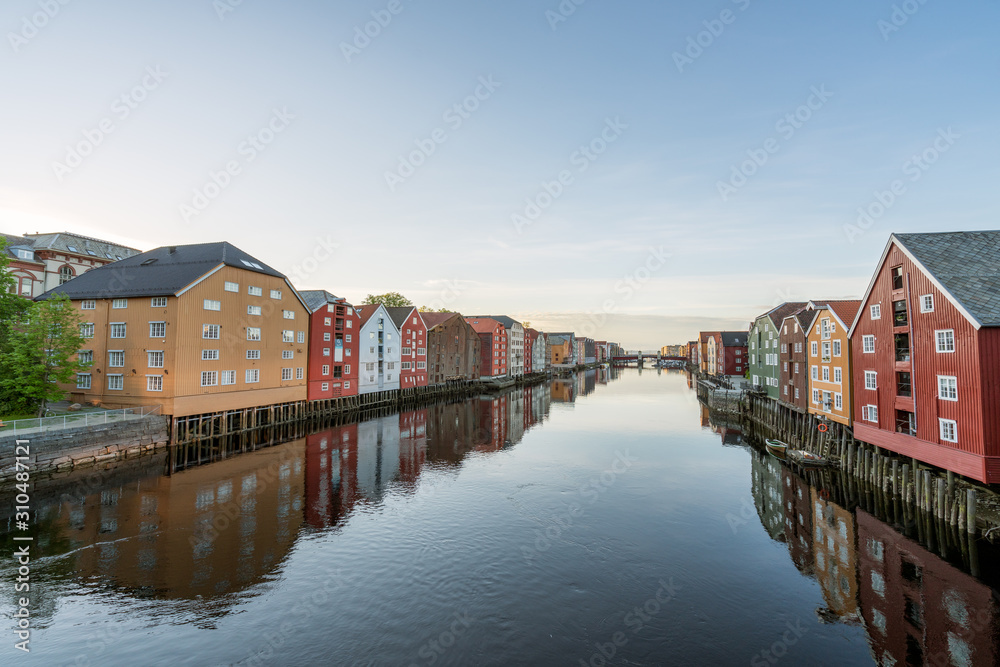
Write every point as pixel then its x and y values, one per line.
pixel 763 347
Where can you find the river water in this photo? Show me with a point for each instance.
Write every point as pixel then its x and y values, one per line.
pixel 601 520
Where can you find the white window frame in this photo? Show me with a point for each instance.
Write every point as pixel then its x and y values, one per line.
pixel 80 378
pixel 124 329
pixel 865 347
pixel 948 388
pixel 838 401
pixel 838 376
pixel 208 329
pixel 253 310
pixel 276 294
pixel 875 312
pixel 927 303
pixel 116 355
pixel 209 378
pixel 227 378
pixel 938 341
pixel 158 325
pixel 121 381
pixel 211 304
pixel 252 376
pixel 870 413
pixel 253 333
pixel 288 314
pixel 231 286
pixel 89 304
pixel 253 354
pixel 945 423
pixel 119 304
pixel 871 380
pixel 287 336
pixel 87 329
pixel 255 291
pixel 158 302
pixel 154 383
pixel 288 354
pixel 286 374
pixel 300 373
pixel 209 355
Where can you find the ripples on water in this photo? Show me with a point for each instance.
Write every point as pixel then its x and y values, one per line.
pixel 601 520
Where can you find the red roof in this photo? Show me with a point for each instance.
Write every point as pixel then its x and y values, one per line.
pixel 365 312
pixel 846 310
pixel 434 319
pixel 483 324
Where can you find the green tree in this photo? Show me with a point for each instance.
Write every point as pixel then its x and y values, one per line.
pixel 12 311
pixel 389 300
pixel 428 309
pixel 41 355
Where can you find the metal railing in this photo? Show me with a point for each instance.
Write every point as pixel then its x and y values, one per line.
pixel 46 424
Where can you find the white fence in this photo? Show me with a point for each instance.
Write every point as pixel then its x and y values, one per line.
pixel 46 424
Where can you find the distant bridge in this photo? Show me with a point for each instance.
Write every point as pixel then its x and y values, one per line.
pixel 641 357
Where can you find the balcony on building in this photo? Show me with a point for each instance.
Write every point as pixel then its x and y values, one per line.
pixel 906 422
pixel 899 315
pixel 902 344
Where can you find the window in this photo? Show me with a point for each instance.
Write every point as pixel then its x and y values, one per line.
pixel 253 333
pixel 406 351
pixel 897 277
pixel 90 304
pixel 276 294
pixel 326 352
pixel 876 311
pixel 421 351
pixel 119 303
pixel 826 350
pixel 816 396
pixel 422 365
pixel 158 302
pixel 347 369
pixel 836 348
pixel 838 401
pixel 287 336
pixel 826 374
pixel 871 380
pixel 326 336
pixel 786 366
pixel 391 365
pixel 253 375
pixel 945 340
pixel 407 365
pixel 154 383
pixel 288 314
pixel 868 344
pixel 900 317
pixel 253 354
pixel 209 304
pixel 299 373
pixel 904 386
pixel 83 381
pixel 347 383
pixel 154 359
pixel 209 355
pixel 65 275
pixel 870 413
pixel 814 372
pixel 209 378
pixel 87 329
pixel 325 386
pixel 838 375
pixel 253 310
pixel 949 430
pixel 117 329
pixel 350 325
pixel 786 390
pixel 370 367
pixel 210 331
pixel 287 354
pixel 116 358
pixel 286 374
pixel 813 349
pixel 116 382
pixel 255 291
pixel 302 337
pixel 326 370
pixel 232 287
pixel 85 356
pixel 228 377
pixel 927 303
pixel 796 368
pixel 947 388
pixel 157 329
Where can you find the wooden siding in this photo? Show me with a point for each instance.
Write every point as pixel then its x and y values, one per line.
pixel 790 334
pixel 966 363
pixel 414 336
pixel 843 362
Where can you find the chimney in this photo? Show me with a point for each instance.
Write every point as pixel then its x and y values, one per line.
pixel 171 249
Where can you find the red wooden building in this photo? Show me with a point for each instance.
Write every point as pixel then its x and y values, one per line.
pixel 733 352
pixel 793 359
pixel 926 352
pixel 333 346
pixel 493 348
pixel 413 346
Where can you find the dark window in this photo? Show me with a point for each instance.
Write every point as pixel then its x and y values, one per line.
pixel 911 571
pixel 906 422
pixel 899 318
pixel 897 277
pixel 902 347
pixel 914 613
pixel 338 372
pixel 914 654
pixel 903 387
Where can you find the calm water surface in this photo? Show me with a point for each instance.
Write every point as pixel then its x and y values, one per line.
pixel 603 520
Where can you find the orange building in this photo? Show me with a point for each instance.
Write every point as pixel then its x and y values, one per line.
pixel 197 329
pixel 829 360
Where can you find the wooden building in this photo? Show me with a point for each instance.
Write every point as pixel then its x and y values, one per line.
pixel 493 347
pixel 793 370
pixel 830 352
pixel 763 348
pixel 333 346
pixel 453 348
pixel 197 329
pixel 709 362
pixel 413 350
pixel 926 352
pixel 40 262
pixel 378 350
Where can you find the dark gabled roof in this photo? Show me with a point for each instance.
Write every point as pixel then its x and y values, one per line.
pixel 965 266
pixel 432 320
pixel 161 272
pixel 734 338
pixel 507 322
pixel 399 314
pixel 80 245
pixel 319 298
pixel 779 313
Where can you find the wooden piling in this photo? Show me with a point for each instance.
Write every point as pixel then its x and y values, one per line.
pixel 970 511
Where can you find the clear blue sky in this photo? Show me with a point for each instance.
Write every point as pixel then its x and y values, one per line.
pixel 673 129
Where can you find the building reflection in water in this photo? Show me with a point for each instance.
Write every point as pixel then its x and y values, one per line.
pixel 213 530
